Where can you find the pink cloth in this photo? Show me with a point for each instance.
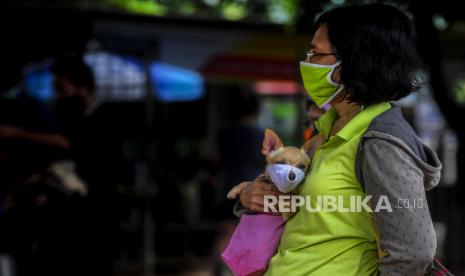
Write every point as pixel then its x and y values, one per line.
pixel 253 243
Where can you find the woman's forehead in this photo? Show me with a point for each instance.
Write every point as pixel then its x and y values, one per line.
pixel 320 40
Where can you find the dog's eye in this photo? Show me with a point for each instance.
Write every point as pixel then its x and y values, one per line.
pixel 301 166
pixel 280 162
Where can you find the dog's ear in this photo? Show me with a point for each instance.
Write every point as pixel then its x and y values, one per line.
pixel 271 142
pixel 310 146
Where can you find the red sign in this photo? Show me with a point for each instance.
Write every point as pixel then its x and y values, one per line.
pixel 251 68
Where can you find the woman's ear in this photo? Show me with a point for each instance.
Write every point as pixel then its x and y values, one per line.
pixel 271 142
pixel 336 75
pixel 311 145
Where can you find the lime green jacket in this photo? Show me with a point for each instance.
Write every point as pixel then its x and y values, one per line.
pixel 395 165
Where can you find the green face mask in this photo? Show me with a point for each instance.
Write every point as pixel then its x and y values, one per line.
pixel 318 83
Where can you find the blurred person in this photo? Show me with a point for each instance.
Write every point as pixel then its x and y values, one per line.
pixel 29 136
pixel 95 150
pixel 85 122
pixel 361 58
pixel 239 142
pixel 37 219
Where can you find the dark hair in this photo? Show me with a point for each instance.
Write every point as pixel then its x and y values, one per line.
pixel 75 69
pixel 376 44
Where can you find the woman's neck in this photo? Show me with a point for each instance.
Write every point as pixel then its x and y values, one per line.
pixel 346 111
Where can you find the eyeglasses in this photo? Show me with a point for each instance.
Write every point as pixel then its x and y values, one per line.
pixel 311 54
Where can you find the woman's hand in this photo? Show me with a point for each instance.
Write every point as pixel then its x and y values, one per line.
pixel 252 196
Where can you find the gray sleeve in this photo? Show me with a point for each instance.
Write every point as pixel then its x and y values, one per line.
pixel 406 236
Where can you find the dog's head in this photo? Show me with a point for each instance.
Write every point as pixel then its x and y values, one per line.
pixel 276 153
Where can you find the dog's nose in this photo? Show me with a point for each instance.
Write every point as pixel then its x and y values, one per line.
pixel 291 176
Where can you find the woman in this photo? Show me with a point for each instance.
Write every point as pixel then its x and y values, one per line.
pixel 360 59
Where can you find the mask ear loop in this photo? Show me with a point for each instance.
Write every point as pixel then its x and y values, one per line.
pixel 328 106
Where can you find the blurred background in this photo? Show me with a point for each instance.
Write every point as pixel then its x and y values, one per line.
pixel 123 124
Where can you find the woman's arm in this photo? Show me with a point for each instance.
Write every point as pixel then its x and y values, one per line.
pixel 51 139
pixel 406 236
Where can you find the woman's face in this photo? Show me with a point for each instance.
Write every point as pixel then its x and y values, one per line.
pixel 320 45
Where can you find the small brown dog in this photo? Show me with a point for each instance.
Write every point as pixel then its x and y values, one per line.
pixel 286 165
